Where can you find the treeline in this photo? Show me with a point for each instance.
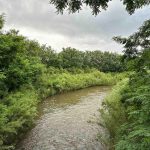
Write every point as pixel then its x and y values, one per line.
pixel 70 58
pixel 29 72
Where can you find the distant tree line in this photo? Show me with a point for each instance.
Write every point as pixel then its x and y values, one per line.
pixel 70 58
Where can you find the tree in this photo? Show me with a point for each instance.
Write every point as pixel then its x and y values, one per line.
pixel 20 61
pixel 71 58
pixel 11 43
pixel 103 61
pixel 137 47
pixel 1 21
pixel 49 57
pixel 96 5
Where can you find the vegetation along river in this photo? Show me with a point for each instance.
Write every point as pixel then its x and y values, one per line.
pixel 68 121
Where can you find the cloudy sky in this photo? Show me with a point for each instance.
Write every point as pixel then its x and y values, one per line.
pixel 37 19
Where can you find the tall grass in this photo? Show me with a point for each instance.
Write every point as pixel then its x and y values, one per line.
pixel 66 81
pixel 126 113
pixel 113 113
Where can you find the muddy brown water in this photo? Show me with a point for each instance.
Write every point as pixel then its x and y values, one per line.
pixel 68 121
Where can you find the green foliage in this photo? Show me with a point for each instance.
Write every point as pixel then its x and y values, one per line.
pixel 3 86
pixel 137 47
pixel 103 61
pixel 113 113
pixel 135 4
pixel 66 81
pixel 17 112
pixel 18 64
pixel 1 21
pixel 11 43
pixel 50 57
pixel 126 113
pixel 24 71
pixel 96 5
pixel 71 57
pixel 135 133
pixel 57 81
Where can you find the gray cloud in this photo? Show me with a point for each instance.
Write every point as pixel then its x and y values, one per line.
pixel 37 19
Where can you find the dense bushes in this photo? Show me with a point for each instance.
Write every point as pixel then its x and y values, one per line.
pixel 126 114
pixel 17 112
pixel 17 67
pixel 67 81
pixel 102 61
pixel 135 134
pixel 113 111
pixel 70 58
pixel 56 81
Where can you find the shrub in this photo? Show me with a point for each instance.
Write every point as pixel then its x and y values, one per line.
pixel 113 113
pixel 126 113
pixel 17 112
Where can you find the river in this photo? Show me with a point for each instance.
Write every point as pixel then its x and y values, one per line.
pixel 68 121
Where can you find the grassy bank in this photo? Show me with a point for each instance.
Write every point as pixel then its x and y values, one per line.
pixel 19 108
pixel 65 81
pixel 126 113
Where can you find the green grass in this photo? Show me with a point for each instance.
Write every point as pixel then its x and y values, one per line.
pixel 113 113
pixel 65 81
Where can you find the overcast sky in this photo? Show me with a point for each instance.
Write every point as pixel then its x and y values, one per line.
pixel 37 19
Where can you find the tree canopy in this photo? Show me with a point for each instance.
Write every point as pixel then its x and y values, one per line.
pixel 95 5
pixel 1 21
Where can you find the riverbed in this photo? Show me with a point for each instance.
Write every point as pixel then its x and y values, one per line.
pixel 68 121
